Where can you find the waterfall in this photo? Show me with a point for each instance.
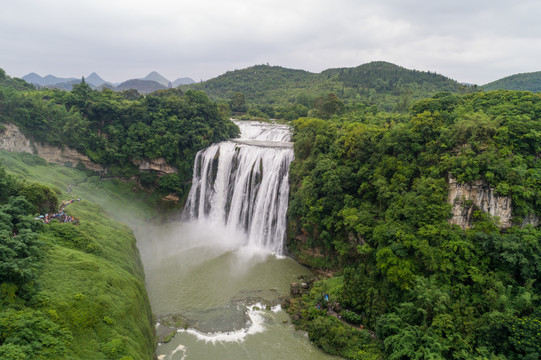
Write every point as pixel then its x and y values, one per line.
pixel 243 184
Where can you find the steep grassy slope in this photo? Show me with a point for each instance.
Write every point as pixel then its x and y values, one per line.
pixel 91 281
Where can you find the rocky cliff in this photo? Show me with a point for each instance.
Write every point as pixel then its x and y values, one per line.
pixel 12 139
pixel 468 197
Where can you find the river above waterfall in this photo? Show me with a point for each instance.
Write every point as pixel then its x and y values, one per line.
pixel 216 279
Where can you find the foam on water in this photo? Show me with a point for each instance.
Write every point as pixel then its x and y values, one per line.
pixel 180 348
pixel 254 326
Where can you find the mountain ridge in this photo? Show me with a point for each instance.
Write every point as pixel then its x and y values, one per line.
pixel 95 79
pixel 379 83
pixel 153 80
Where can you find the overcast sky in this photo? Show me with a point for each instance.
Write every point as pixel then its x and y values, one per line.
pixel 474 41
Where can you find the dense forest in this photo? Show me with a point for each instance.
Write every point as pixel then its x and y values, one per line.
pixel 117 129
pixel 369 205
pixel 275 92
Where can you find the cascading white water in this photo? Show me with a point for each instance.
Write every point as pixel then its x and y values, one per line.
pixel 243 184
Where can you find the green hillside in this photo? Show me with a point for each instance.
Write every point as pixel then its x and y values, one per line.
pixel 13 83
pixel 386 85
pixel 69 290
pixel 526 81
pixel 260 84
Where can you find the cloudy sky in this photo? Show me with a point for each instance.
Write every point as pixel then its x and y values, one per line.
pixel 475 41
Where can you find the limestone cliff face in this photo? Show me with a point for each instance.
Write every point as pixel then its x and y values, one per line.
pixel 159 165
pixel 12 139
pixel 66 155
pixel 465 198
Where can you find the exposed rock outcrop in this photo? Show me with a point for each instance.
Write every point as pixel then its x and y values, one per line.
pixel 172 198
pixel 12 139
pixel 468 197
pixel 66 155
pixel 159 165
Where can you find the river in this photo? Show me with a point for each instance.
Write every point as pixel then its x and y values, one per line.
pixel 216 278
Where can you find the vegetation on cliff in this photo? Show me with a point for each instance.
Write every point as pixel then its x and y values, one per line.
pixel 368 202
pixel 68 291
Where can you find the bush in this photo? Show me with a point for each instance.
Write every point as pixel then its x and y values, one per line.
pixel 41 196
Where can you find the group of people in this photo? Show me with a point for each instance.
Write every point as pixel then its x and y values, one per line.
pixel 61 216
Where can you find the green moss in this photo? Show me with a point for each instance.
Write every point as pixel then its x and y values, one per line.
pixel 169 337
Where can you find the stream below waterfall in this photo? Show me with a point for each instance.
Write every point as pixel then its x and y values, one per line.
pixel 216 279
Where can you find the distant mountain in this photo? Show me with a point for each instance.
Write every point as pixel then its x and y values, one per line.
pixel 258 83
pixel 35 79
pixel 525 81
pixel 94 79
pixel 377 83
pixel 384 77
pixel 183 81
pixel 142 86
pixel 154 76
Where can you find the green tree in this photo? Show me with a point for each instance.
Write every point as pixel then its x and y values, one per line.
pixel 238 102
pixel 41 196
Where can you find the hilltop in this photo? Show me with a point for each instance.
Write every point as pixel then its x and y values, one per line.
pixel 525 81
pixel 154 76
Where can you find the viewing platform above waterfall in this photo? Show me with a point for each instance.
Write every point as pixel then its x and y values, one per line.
pixel 264 143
